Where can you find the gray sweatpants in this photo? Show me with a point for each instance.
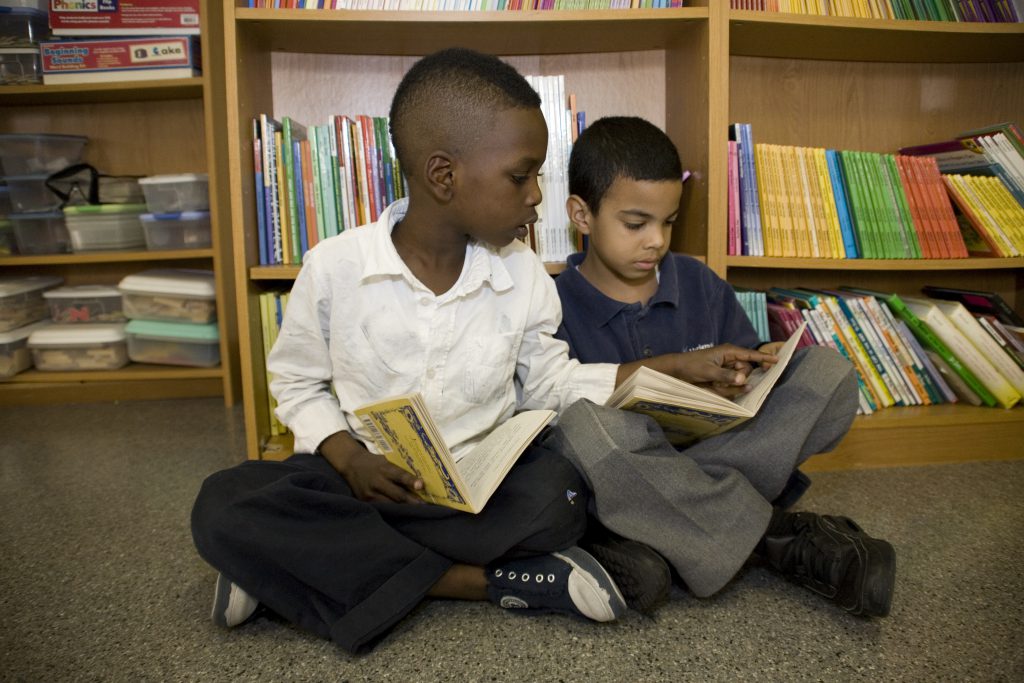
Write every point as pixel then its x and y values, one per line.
pixel 705 508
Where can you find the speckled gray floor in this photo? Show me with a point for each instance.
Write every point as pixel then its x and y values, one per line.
pixel 99 580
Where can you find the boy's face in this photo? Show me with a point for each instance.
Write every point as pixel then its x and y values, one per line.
pixel 631 231
pixel 496 186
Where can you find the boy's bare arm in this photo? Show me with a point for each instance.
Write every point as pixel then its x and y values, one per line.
pixel 371 476
pixel 723 369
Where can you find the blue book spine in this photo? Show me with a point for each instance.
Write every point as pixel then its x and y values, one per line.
pixel 835 175
pixel 755 210
pixel 300 199
pixel 261 218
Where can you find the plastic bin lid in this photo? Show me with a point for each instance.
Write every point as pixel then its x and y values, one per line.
pixel 9 286
pixel 180 282
pixel 103 209
pixel 26 11
pixel 33 176
pixel 79 291
pixel 19 51
pixel 189 332
pixel 19 333
pixel 176 178
pixel 77 335
pixel 179 216
pixel 36 216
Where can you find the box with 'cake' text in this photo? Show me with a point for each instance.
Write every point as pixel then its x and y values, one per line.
pixel 124 17
pixel 119 59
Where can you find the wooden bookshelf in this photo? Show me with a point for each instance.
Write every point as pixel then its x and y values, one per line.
pixel 846 83
pixel 136 128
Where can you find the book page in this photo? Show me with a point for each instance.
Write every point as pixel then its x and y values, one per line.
pixel 483 468
pixel 761 381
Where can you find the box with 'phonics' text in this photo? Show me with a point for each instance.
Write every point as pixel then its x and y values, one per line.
pixel 124 17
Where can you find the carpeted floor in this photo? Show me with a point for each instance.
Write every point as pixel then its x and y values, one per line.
pixel 99 580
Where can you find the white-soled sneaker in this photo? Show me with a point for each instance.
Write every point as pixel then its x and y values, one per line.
pixel 569 582
pixel 231 605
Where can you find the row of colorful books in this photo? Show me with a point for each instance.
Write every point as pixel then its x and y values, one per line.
pixel 466 5
pixel 314 182
pixel 983 170
pixel 920 10
pixel 950 345
pixel 928 201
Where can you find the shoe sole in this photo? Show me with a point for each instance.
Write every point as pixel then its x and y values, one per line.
pixel 628 561
pixel 231 605
pixel 878 581
pixel 602 599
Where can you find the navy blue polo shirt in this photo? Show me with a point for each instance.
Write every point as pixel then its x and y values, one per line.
pixel 692 309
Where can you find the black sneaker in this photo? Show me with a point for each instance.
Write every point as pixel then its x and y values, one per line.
pixel 639 571
pixel 231 605
pixel 833 556
pixel 569 582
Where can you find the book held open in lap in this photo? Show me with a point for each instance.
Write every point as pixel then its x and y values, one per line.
pixel 406 435
pixel 688 412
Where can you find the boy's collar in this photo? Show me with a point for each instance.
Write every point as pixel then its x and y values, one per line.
pixel 599 307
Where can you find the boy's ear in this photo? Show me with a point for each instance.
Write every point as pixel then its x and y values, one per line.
pixel 579 213
pixel 440 175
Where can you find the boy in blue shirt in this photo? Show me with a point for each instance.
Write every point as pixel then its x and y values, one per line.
pixel 709 507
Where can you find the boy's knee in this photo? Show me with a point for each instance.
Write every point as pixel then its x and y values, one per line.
pixel 560 518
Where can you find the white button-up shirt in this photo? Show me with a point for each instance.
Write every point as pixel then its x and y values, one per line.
pixel 359 321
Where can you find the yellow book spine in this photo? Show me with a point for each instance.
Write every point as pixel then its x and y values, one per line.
pixel 883 396
pixel 833 231
pixel 1006 210
pixel 796 184
pixel 785 204
pixel 766 190
pixel 969 191
pixel 282 192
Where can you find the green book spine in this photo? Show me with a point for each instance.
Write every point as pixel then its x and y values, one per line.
pixel 291 131
pixel 318 199
pixel 931 342
pixel 911 247
pixel 857 210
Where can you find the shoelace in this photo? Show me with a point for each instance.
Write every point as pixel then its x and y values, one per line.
pixel 812 559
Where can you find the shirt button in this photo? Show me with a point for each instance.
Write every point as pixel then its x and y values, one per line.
pixel 647 352
pixel 424 301
pixel 430 373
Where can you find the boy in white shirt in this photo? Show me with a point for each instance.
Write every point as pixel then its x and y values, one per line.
pixel 438 296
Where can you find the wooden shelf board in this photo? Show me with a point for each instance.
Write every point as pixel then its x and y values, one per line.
pixel 898 437
pixel 790 36
pixel 122 91
pixel 104 257
pixel 87 391
pixel 853 265
pixel 504 33
pixel 131 372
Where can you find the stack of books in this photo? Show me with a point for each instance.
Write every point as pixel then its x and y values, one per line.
pixel 949 345
pixel 466 5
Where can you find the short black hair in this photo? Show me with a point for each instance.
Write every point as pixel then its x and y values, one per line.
pixel 620 147
pixel 447 97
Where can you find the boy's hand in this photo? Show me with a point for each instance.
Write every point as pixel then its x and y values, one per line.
pixel 723 369
pixel 770 348
pixel 371 476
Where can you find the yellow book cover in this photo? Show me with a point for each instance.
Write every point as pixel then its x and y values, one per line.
pixel 403 432
pixel 1003 207
pixel 833 232
pixel 963 349
pixel 805 225
pixel 966 190
pixel 785 203
pixel 767 197
pixel 689 413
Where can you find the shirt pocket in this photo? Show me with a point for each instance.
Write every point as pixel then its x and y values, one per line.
pixel 489 367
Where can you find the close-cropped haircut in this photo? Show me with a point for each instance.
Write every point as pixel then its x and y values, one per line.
pixel 620 147
pixel 448 97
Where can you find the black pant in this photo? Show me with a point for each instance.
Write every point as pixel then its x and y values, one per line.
pixel 294 537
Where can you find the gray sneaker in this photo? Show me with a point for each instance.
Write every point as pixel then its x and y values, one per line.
pixel 231 605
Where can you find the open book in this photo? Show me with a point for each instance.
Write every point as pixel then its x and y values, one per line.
pixel 689 413
pixel 407 436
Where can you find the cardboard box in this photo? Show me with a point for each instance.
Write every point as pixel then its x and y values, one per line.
pixel 124 17
pixel 119 59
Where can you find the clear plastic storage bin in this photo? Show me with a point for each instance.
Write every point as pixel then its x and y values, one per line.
pixel 21 299
pixel 40 233
pixel 187 230
pixel 105 226
pixel 15 356
pixel 39 153
pixel 29 193
pixel 176 193
pixel 66 348
pixel 20 66
pixel 85 304
pixel 174 295
pixel 166 343
pixel 23 26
